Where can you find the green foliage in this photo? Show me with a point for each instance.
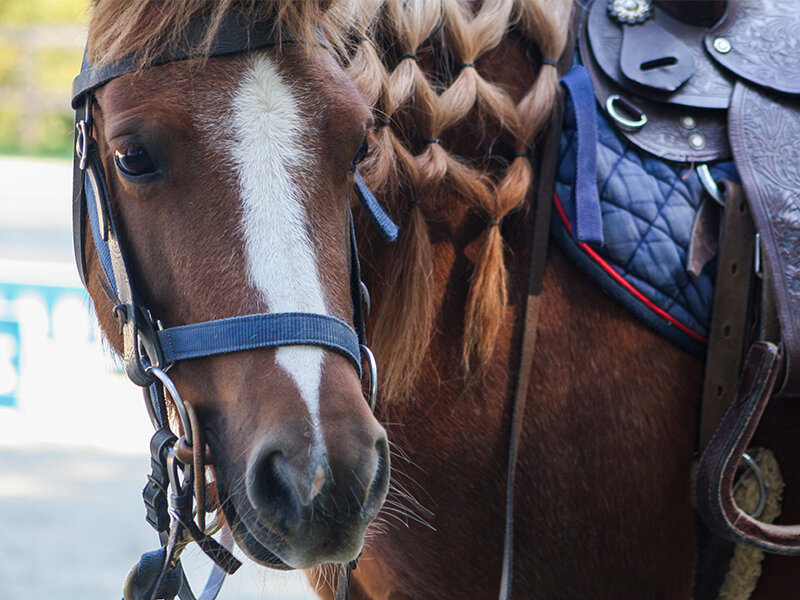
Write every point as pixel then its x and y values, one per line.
pixel 57 67
pixel 36 76
pixel 19 12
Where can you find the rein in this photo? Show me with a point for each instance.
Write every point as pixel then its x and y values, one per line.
pixel 149 349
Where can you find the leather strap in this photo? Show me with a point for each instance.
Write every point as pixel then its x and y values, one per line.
pixel 536 270
pixel 345 572
pixel 729 317
pixel 78 197
pixel 765 138
pixel 717 468
pixel 233 36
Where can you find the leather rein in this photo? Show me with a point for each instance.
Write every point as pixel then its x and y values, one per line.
pixel 177 482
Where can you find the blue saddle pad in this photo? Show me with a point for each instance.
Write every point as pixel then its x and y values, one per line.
pixel 648 207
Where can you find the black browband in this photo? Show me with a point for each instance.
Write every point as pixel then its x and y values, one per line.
pixel 233 36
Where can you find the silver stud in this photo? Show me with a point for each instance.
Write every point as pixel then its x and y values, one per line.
pixel 688 122
pixel 722 45
pixel 697 141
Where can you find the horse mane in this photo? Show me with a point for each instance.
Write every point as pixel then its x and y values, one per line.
pixel 410 103
pixel 142 29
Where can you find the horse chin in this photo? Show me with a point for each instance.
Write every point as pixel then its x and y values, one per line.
pixel 247 541
pixel 263 546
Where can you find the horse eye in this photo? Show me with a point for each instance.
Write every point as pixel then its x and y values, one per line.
pixel 134 161
pixel 362 152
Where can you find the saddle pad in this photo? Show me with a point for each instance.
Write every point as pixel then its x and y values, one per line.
pixel 648 208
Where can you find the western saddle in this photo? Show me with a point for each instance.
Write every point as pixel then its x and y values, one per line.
pixel 710 80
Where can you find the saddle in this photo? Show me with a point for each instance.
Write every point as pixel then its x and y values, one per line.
pixel 701 82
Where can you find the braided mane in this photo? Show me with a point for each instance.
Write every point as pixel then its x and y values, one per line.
pixel 412 103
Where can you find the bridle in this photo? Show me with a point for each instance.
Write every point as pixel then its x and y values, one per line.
pixel 149 349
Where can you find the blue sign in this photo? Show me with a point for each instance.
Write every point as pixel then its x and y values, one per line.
pixel 10 339
pixel 9 362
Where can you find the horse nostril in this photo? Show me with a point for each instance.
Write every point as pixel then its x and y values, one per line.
pixel 378 488
pixel 268 486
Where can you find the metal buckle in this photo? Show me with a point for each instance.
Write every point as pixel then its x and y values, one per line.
pixel 372 366
pixel 84 129
pixel 709 184
pixel 624 123
pixel 169 385
pixel 365 298
pixel 82 143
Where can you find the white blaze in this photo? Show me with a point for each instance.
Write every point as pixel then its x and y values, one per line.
pixel 281 262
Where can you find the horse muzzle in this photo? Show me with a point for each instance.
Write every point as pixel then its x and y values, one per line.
pixel 297 510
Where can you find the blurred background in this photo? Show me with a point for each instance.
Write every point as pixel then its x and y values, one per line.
pixel 73 430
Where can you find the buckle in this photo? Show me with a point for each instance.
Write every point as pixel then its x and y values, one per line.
pixel 82 143
pixel 82 138
pixel 372 367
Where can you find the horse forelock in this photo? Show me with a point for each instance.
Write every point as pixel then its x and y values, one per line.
pixel 119 28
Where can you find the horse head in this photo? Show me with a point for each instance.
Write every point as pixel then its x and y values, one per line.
pixel 229 180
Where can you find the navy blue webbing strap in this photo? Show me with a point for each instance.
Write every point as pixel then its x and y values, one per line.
pixel 588 216
pixel 379 216
pixel 264 330
pixel 93 190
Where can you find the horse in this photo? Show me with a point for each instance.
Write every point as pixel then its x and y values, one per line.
pixel 229 180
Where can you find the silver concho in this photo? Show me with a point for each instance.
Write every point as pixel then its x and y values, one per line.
pixel 630 12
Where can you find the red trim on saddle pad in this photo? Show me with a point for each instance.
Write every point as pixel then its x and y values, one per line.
pixel 622 281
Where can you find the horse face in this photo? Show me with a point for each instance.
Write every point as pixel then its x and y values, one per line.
pixel 230 181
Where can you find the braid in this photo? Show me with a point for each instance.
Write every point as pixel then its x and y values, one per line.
pixel 407 103
pixel 403 327
pixel 472 36
pixel 548 25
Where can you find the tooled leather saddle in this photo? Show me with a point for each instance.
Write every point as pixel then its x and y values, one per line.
pixel 700 82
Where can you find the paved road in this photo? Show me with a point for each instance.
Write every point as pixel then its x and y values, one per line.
pixel 73 526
